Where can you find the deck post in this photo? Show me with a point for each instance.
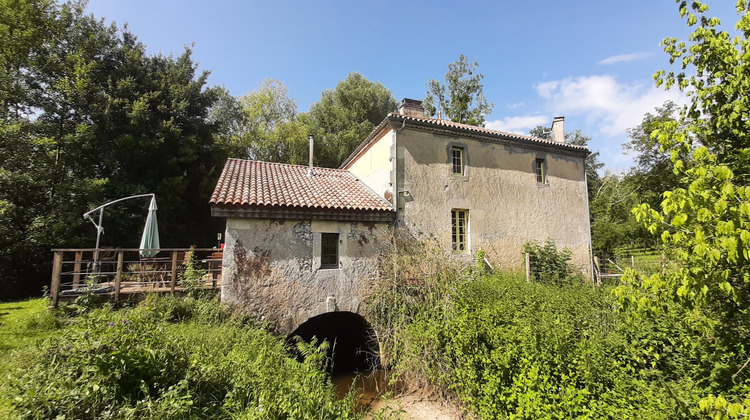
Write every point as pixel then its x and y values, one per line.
pixel 174 271
pixel 56 274
pixel 118 276
pixel 77 269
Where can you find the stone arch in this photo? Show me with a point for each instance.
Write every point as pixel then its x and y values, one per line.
pixel 354 343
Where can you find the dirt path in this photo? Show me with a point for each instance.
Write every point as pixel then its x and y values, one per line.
pixel 413 406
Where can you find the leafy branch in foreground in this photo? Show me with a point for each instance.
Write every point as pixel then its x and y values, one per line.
pixel 706 219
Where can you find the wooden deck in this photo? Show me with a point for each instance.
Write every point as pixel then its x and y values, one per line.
pixel 122 274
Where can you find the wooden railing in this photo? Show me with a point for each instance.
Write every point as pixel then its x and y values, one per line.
pixel 117 272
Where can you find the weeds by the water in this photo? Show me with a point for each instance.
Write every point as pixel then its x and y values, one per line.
pixel 168 358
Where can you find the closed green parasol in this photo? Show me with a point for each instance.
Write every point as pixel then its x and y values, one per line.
pixel 150 238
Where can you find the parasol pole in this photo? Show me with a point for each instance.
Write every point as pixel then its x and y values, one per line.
pixel 99 228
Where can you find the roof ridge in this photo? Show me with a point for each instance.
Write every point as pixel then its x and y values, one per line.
pixel 449 123
pixel 286 164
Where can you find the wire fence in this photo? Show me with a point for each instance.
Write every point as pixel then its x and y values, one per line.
pixel 610 268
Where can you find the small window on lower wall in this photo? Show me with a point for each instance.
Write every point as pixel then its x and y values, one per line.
pixel 329 250
pixel 459 229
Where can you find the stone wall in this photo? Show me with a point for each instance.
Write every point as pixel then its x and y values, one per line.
pixel 506 205
pixel 272 268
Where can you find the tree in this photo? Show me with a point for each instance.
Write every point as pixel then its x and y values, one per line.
pixel 653 173
pixel 612 223
pixel 461 99
pixel 264 124
pixel 86 117
pixel 716 84
pixel 346 115
pixel 706 219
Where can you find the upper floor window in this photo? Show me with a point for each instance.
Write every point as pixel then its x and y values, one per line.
pixel 541 176
pixel 457 160
pixel 459 229
pixel 329 250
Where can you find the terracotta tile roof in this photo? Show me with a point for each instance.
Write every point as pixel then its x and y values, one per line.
pixel 252 183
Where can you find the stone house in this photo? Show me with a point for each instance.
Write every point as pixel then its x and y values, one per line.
pixel 302 241
pixel 474 188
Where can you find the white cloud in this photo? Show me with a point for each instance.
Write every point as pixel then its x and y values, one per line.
pixel 519 125
pixel 603 101
pixel 516 105
pixel 545 89
pixel 624 58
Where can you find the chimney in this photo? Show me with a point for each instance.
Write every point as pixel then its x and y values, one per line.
pixel 411 108
pixel 558 129
pixel 310 165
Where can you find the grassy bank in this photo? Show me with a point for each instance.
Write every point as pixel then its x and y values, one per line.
pixel 166 358
pixel 506 348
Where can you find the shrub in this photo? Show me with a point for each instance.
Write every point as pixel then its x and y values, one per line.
pixel 192 279
pixel 547 264
pixel 507 348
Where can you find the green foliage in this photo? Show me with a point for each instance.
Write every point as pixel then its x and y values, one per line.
pixel 146 363
pixel 264 125
pixel 480 264
pixel 22 326
pixel 612 222
pixel 547 264
pixel 461 99
pixel 192 278
pixel 705 221
pixel 506 348
pixel 713 71
pixel 86 116
pixel 345 116
pixel 653 173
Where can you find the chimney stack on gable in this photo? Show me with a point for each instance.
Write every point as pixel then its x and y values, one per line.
pixel 411 108
pixel 310 165
pixel 558 129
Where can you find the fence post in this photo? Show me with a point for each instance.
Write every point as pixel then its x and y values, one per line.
pixel 56 274
pixel 528 268
pixel 598 274
pixel 118 276
pixel 77 269
pixel 632 260
pixel 174 271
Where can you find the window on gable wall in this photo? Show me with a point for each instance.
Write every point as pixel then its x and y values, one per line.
pixel 457 159
pixel 541 177
pixel 329 250
pixel 459 229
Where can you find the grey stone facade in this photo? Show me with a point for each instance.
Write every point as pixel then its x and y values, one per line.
pixel 272 268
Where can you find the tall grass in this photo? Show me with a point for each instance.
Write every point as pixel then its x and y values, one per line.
pixel 171 358
pixel 507 348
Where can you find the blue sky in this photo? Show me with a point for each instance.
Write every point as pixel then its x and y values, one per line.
pixel 590 61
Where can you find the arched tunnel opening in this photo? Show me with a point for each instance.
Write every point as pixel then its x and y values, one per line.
pixel 353 344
